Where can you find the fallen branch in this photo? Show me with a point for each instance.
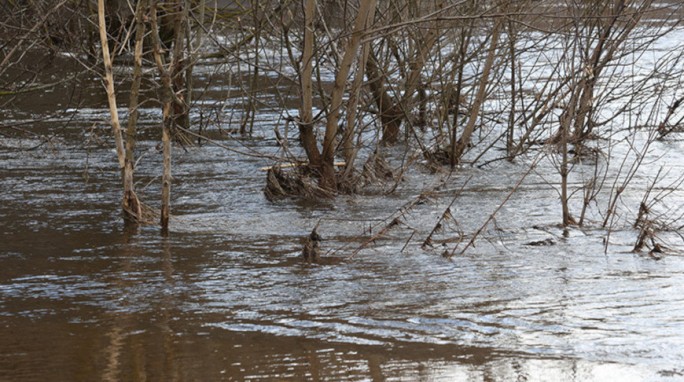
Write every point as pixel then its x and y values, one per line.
pixel 444 219
pixel 493 214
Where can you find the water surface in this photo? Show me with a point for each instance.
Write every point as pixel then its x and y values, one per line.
pixel 226 296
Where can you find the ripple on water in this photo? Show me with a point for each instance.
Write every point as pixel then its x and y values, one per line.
pixel 529 299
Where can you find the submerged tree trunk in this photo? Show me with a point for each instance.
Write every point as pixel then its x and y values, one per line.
pixel 166 172
pixel 391 113
pixel 306 129
pixel 479 96
pixel 171 104
pixel 453 98
pixel 565 122
pixel 393 110
pixel 348 149
pixel 510 134
pixel 167 95
pixel 130 204
pixel 328 179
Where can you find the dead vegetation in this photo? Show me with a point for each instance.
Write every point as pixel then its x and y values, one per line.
pixel 311 251
pixel 389 85
pixel 298 182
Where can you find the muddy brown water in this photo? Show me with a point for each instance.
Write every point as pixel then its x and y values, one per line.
pixel 226 296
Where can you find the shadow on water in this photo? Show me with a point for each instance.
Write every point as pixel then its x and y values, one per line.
pixel 227 297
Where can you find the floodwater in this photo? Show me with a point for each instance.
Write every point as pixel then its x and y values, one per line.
pixel 226 296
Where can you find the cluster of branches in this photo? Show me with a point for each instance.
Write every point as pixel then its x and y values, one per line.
pixel 95 33
pixel 464 80
pixel 456 81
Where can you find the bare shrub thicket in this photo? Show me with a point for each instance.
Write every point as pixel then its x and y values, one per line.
pixel 584 84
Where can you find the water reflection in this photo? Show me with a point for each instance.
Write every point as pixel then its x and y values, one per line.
pixel 195 306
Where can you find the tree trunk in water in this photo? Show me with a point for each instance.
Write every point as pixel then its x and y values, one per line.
pixel 393 111
pixel 169 101
pixel 566 121
pixel 166 174
pixel 460 147
pixel 328 179
pixel 564 171
pixel 306 132
pixel 391 115
pixel 347 140
pixel 511 116
pixel 455 103
pixel 131 204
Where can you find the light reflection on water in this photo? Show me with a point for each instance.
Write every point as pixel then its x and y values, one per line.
pixel 228 291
